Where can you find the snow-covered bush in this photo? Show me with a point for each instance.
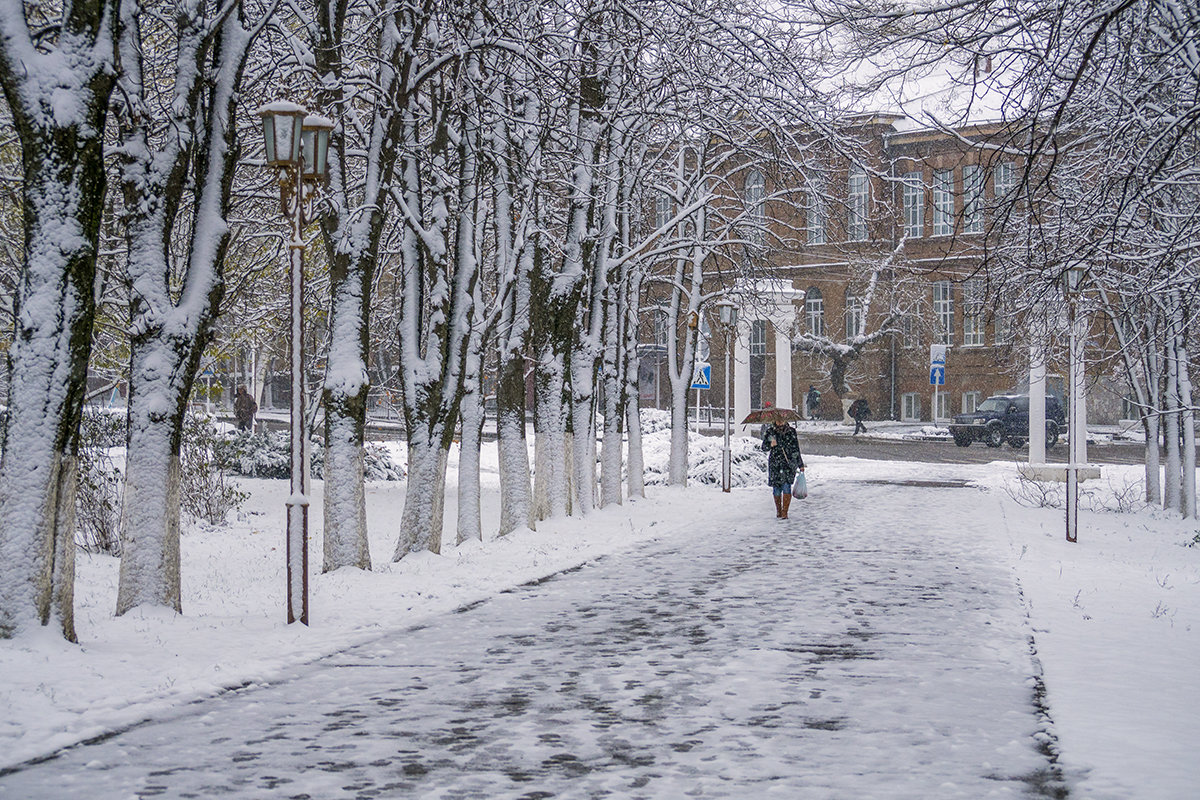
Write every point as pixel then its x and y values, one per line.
pixel 204 490
pixel 268 455
pixel 654 420
pixel 98 483
pixel 748 464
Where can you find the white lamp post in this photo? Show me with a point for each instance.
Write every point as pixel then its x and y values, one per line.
pixel 728 313
pixel 1072 285
pixel 297 145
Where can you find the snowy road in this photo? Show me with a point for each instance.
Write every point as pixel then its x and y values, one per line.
pixel 828 656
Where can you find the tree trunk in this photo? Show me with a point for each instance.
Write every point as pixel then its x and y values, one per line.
pixel 1173 489
pixel 516 508
pixel 150 510
pixel 470 526
pixel 424 498
pixel 345 536
pixel 64 185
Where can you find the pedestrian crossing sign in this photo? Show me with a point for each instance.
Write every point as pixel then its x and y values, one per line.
pixel 702 377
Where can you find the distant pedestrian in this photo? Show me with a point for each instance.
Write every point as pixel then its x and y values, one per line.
pixel 783 460
pixel 860 410
pixel 813 399
pixel 244 409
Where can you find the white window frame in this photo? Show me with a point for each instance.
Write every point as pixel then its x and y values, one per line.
pixel 913 202
pixel 859 205
pixel 815 211
pixel 855 324
pixel 814 311
pixel 910 407
pixel 943 311
pixel 1004 179
pixel 943 202
pixel 971 401
pixel 662 209
pixel 942 411
pixel 755 193
pixel 974 320
pixel 758 337
pixel 973 179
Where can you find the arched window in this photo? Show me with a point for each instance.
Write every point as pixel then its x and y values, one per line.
pixel 814 311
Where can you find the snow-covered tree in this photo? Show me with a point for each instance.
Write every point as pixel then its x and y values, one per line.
pixel 177 150
pixel 57 69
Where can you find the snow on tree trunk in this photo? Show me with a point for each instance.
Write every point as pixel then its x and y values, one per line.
pixel 551 493
pixel 470 526
pixel 1173 489
pixel 614 384
pixel 150 510
pixel 516 502
pixel 57 91
pixel 345 508
pixel 424 497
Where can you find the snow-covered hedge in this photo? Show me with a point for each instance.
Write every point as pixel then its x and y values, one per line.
pixel 268 455
pixel 748 464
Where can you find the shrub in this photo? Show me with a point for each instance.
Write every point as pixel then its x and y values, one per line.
pixel 204 490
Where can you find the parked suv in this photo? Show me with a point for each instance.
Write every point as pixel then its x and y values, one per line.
pixel 1005 418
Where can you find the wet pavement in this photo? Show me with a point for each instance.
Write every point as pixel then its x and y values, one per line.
pixel 832 655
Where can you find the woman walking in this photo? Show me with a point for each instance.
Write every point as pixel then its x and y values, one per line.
pixel 783 459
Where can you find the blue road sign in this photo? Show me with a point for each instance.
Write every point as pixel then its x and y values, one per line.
pixel 937 376
pixel 702 377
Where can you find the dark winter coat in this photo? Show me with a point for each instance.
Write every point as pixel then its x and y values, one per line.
pixel 859 409
pixel 784 459
pixel 244 409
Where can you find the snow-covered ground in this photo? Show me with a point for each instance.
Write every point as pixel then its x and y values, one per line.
pixel 1112 617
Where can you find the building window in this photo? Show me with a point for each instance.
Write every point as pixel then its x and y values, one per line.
pixel 1130 409
pixel 970 401
pixel 943 406
pixel 856 226
pixel 910 407
pixel 943 311
pixel 815 211
pixel 854 316
pixel 914 205
pixel 814 311
pixel 758 337
pixel 662 210
pixel 973 313
pixel 1004 180
pixel 943 202
pixel 909 337
pixel 1002 325
pixel 972 199
pixel 756 212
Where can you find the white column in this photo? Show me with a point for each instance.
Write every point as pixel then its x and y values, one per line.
pixel 1037 405
pixel 741 377
pixel 783 368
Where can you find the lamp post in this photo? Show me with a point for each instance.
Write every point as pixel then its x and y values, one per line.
pixel 1072 285
pixel 728 313
pixel 297 146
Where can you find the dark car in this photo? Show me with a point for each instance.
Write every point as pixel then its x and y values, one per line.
pixel 1005 418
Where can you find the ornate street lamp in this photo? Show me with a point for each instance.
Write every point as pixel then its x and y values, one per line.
pixel 727 312
pixel 1073 278
pixel 297 146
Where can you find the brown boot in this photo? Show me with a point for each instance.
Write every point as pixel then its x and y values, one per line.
pixel 778 505
pixel 787 501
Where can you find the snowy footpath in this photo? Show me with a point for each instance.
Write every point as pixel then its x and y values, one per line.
pixel 910 633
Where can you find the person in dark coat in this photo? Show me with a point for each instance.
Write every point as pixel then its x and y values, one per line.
pixel 244 409
pixel 860 411
pixel 813 400
pixel 783 460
